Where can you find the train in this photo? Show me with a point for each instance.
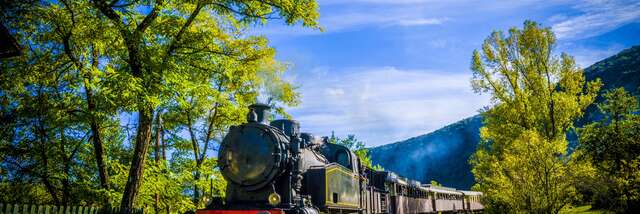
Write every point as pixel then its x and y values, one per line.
pixel 272 168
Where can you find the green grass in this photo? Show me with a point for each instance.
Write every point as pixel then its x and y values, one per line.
pixel 582 209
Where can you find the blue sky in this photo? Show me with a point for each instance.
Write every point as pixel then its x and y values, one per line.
pixel 388 70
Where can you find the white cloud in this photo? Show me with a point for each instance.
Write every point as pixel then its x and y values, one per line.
pixel 378 18
pixel 420 21
pixel 334 92
pixel 385 104
pixel 386 2
pixel 597 17
pixel 344 15
pixel 340 16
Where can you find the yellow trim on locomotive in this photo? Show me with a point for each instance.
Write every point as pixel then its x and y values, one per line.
pixel 343 170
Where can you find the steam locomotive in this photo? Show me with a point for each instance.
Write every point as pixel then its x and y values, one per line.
pixel 272 168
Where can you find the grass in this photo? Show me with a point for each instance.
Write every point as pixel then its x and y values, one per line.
pixel 582 209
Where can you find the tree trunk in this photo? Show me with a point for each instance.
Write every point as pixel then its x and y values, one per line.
pixel 164 150
pixel 196 193
pixel 157 155
pixel 45 176
pixel 98 151
pixel 196 149
pixel 145 118
pixel 158 137
pixel 96 139
pixel 43 138
pixel 67 168
pixel 98 148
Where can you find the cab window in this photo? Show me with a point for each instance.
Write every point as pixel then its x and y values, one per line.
pixel 342 158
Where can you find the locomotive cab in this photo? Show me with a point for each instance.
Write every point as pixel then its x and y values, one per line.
pixel 341 155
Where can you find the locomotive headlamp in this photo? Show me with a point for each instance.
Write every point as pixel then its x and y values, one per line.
pixel 274 199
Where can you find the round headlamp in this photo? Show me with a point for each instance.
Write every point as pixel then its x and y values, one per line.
pixel 274 199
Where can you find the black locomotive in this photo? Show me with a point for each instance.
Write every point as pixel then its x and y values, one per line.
pixel 273 168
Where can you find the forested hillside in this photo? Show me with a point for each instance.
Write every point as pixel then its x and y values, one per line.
pixel 434 156
pixel 443 155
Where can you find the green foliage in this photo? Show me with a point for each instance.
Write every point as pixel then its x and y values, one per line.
pixel 90 67
pixel 521 163
pixel 612 145
pixel 582 209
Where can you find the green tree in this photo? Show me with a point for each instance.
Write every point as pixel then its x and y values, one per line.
pixel 58 69
pixel 521 162
pixel 160 41
pixel 612 145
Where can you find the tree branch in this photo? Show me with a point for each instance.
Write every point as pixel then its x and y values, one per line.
pixel 146 22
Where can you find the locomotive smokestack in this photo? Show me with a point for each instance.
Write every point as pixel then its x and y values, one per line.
pixel 258 113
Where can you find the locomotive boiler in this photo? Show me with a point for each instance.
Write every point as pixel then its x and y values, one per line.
pixel 271 167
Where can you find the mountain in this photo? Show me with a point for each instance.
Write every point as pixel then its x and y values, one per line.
pixel 440 155
pixel 620 70
pixel 443 155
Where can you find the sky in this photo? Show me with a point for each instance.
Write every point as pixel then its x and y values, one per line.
pixel 388 70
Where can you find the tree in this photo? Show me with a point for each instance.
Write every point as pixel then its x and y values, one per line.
pixel 612 145
pixel 58 61
pixel 157 41
pixel 521 162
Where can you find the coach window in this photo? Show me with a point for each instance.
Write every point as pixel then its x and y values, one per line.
pixel 392 188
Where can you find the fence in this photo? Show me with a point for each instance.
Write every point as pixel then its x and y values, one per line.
pixel 49 209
